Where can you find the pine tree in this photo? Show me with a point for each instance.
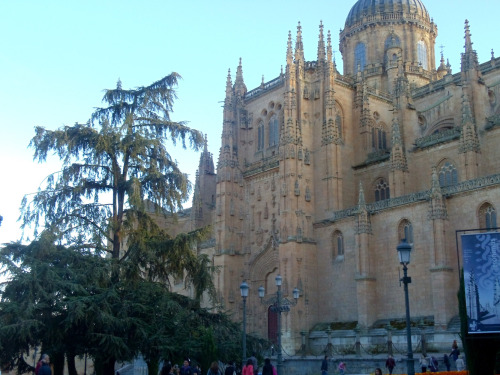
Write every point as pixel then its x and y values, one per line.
pixel 116 183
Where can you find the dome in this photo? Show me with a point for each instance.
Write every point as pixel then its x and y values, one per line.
pixel 406 9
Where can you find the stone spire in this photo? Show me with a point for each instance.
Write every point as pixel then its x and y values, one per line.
pixel 437 206
pixel 299 47
pixel 206 165
pixel 329 49
pixel 330 130
pixel 288 135
pixel 321 44
pixel 469 57
pixel 361 198
pixel 469 140
pixel 365 111
pixel 442 65
pixel 364 225
pixel 204 189
pixel 398 157
pixel 289 50
pixel 401 83
pixel 239 84
pixel 229 87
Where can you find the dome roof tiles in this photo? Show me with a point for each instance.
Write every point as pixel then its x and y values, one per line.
pixel 367 8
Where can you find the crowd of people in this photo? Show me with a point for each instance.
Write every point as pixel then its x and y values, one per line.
pixel 251 367
pixel 429 362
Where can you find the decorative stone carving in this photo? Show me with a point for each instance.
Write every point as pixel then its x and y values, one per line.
pixel 297 189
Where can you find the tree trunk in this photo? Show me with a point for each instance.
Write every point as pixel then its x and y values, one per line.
pixel 108 366
pixel 57 360
pixel 71 363
pixel 153 366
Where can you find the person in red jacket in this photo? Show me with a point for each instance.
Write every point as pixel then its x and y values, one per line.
pixel 248 369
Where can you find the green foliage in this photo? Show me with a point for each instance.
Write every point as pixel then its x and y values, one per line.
pixel 65 300
pixel 117 180
pixel 115 170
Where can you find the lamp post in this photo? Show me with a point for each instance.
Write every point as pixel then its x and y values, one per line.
pixel 244 295
pixel 279 304
pixel 404 252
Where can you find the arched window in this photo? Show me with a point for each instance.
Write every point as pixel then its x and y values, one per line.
pixel 273 131
pixel 338 121
pixel 487 216
pixel 260 140
pixel 406 231
pixel 337 244
pixel 448 174
pixel 382 191
pixel 359 57
pixel 379 138
pixel 422 54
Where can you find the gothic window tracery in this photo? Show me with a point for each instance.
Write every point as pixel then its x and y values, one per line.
pixel 487 216
pixel 405 230
pixel 338 121
pixel 359 57
pixel 448 174
pixel 337 244
pixel 260 140
pixel 379 137
pixel 273 131
pixel 422 54
pixel 382 191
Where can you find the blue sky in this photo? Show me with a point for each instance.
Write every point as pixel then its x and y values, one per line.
pixel 57 57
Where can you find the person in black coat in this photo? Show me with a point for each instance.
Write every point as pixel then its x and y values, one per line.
pixel 230 369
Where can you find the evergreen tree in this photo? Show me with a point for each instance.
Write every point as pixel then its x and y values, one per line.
pixel 37 303
pixel 116 183
pixel 116 171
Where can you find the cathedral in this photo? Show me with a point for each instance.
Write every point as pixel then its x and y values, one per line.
pixel 321 174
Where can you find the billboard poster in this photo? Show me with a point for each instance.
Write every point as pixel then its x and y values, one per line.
pixel 482 286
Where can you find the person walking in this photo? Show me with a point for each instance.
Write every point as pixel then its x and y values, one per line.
pixel 230 369
pixel 255 363
pixel 45 367
pixel 433 364
pixel 342 367
pixel 186 368
pixel 424 363
pixel 166 369
pixel 38 365
pixel 390 363
pixel 455 352
pixel 446 361
pixel 324 366
pixel 248 369
pixel 214 369
pixel 460 363
pixel 268 368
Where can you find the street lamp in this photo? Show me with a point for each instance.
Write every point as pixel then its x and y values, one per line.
pixel 244 295
pixel 279 304
pixel 404 252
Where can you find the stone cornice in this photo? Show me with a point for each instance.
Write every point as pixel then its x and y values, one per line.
pixel 418 197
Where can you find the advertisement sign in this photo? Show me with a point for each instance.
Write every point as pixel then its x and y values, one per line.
pixel 481 253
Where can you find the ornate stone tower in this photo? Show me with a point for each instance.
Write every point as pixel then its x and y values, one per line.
pixel 320 175
pixel 204 190
pixel 378 33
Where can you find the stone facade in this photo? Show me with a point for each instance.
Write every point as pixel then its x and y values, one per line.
pixel 320 174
